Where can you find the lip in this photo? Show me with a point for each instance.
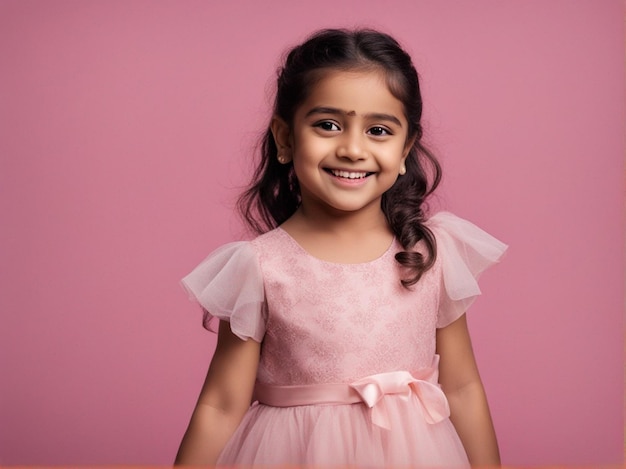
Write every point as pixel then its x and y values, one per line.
pixel 349 173
pixel 350 177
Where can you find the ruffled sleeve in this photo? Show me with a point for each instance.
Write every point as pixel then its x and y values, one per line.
pixel 229 286
pixel 465 252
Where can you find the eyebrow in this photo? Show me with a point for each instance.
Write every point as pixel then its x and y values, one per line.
pixel 335 111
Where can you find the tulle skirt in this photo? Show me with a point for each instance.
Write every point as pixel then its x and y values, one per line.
pixel 343 435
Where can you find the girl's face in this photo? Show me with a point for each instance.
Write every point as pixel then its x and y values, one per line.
pixel 348 142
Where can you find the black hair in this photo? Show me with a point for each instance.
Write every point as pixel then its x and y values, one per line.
pixel 274 194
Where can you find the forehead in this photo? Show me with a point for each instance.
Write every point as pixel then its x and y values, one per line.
pixel 356 92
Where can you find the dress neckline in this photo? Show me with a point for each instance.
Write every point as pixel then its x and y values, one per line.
pixel 389 251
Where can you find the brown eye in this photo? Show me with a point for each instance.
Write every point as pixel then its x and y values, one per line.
pixel 379 131
pixel 329 126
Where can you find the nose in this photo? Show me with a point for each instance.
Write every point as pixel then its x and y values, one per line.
pixel 352 146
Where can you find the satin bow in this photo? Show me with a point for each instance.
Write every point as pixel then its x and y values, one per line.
pixel 373 388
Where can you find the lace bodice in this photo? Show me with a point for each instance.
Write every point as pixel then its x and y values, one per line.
pixel 330 322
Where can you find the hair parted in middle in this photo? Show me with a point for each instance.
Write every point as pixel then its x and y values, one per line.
pixel 274 193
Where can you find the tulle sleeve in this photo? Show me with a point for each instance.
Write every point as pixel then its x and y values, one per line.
pixel 465 252
pixel 229 286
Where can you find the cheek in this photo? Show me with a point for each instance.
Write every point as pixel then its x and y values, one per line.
pixel 395 156
pixel 312 151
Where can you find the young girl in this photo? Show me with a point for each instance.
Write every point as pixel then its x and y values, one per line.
pixel 343 324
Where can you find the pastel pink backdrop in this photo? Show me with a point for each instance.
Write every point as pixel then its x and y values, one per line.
pixel 125 132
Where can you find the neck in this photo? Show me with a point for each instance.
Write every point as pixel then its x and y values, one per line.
pixel 336 222
pixel 345 237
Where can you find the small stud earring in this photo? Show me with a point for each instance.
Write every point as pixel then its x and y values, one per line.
pixel 281 158
pixel 402 170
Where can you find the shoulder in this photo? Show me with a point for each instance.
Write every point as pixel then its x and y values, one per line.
pixel 241 251
pixel 273 245
pixel 269 238
pixel 447 221
pixel 239 257
pixel 227 253
pixel 454 234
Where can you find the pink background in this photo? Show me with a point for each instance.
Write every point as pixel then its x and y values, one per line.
pixel 125 129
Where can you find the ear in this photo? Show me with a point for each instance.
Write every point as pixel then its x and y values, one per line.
pixel 405 153
pixel 282 137
pixel 407 147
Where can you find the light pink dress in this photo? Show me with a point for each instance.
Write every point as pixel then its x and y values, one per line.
pixel 348 370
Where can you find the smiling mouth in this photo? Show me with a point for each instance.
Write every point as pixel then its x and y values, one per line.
pixel 348 174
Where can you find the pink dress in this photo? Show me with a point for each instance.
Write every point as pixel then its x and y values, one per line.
pixel 348 370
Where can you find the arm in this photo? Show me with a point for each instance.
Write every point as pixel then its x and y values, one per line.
pixel 223 401
pixel 460 381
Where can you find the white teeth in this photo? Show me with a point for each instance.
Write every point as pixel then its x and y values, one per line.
pixel 348 174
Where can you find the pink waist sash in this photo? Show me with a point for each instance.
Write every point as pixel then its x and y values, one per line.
pixel 369 390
